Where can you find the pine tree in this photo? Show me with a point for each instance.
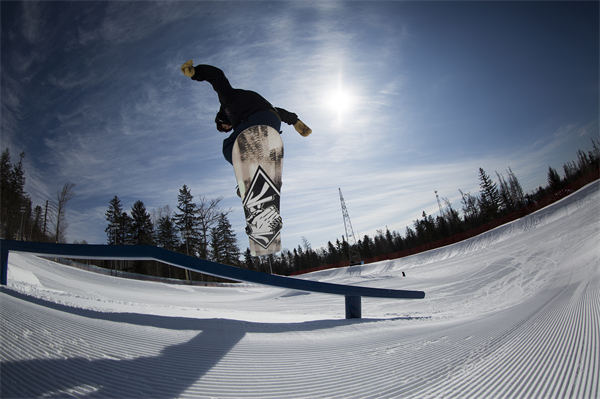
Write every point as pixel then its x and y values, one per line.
pixel 570 169
pixel 380 245
pixel 23 202
pixel 469 207
pixel 142 231
pixel 166 233
pixel 332 255
pixel 583 161
pixel 389 238
pixel 288 261
pixel 36 230
pixel 345 249
pixel 5 193
pixel 14 202
pixel 442 229
pixel 410 237
pixel 366 247
pixel 398 241
pixel 125 228
pixel 339 247
pixel 248 260
pixel 113 216
pixel 186 220
pixel 429 224
pixel 118 230
pixel 224 243
pixel 297 260
pixel 489 199
pixel 554 181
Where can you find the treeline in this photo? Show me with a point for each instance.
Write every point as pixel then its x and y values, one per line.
pixel 493 200
pixel 497 202
pixel 19 219
pixel 201 229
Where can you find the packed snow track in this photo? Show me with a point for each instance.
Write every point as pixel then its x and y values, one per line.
pixel 514 312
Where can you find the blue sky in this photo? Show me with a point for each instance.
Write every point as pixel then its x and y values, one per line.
pixel 404 98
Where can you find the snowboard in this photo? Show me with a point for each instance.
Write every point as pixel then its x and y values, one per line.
pixel 257 161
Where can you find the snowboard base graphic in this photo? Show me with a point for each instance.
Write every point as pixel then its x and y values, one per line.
pixel 257 161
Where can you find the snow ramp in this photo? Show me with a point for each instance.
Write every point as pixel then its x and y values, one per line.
pixel 514 312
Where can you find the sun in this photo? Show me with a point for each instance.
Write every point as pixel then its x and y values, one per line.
pixel 341 100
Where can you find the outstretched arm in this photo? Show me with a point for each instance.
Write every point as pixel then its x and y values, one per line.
pixel 212 75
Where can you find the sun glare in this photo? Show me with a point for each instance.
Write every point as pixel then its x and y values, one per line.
pixel 341 100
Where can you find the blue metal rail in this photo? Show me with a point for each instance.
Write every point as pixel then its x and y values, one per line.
pixel 143 252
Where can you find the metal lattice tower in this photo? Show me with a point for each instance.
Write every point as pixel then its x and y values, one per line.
pixel 353 255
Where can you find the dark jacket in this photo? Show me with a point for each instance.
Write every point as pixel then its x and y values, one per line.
pixel 237 105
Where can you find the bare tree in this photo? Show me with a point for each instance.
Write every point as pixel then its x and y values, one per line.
pixel 62 197
pixel 208 215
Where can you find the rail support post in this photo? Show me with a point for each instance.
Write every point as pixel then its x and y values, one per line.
pixel 353 307
pixel 3 265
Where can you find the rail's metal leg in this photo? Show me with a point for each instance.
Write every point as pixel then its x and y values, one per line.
pixel 353 307
pixel 3 266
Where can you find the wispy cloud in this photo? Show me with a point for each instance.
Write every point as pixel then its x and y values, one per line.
pixel 32 22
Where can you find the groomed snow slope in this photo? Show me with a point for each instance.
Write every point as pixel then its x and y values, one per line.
pixel 511 313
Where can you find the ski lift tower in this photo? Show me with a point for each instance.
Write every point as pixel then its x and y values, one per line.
pixel 353 255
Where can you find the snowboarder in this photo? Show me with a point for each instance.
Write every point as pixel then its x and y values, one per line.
pixel 255 150
pixel 240 109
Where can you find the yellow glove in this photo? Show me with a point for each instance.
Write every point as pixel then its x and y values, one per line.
pixel 188 69
pixel 302 128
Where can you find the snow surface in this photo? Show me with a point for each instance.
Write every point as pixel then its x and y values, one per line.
pixel 513 312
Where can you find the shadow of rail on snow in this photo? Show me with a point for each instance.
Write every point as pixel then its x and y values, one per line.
pixel 169 374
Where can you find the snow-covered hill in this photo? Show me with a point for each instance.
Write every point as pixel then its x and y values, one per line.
pixel 513 312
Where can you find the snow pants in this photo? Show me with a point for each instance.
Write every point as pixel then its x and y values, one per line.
pixel 269 118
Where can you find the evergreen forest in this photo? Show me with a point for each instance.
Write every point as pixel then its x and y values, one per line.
pixel 201 227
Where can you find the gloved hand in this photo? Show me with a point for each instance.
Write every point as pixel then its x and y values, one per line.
pixel 302 128
pixel 188 69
